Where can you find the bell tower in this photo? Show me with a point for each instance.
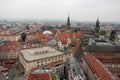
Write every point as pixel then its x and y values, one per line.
pixel 68 24
pixel 97 29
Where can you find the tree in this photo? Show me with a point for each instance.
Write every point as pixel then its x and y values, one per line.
pixel 23 36
pixel 75 29
pixel 27 27
pixel 46 27
pixel 43 27
pixel 102 32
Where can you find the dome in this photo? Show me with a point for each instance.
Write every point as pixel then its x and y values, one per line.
pixel 47 32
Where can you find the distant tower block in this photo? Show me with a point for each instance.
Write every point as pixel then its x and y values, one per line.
pixel 97 29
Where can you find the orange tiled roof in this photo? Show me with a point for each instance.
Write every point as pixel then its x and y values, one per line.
pixel 7 48
pixel 79 34
pixel 64 42
pixel 9 34
pixel 44 76
pixel 44 41
pixel 97 68
pixel 15 43
pixel 52 64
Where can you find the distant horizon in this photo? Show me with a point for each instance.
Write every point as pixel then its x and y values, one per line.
pixel 51 20
pixel 79 10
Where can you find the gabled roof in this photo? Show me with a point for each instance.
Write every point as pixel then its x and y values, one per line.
pixel 64 42
pixel 97 68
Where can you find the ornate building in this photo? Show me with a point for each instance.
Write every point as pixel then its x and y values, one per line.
pixel 97 29
pixel 112 35
pixel 36 57
pixel 109 56
pixel 68 25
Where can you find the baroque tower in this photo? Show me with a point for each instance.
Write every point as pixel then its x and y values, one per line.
pixel 68 25
pixel 97 29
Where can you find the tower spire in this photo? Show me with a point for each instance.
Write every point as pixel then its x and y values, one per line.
pixel 68 21
pixel 97 22
pixel 97 28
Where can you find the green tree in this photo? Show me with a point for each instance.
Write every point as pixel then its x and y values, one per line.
pixel 43 28
pixel 75 29
pixel 54 77
pixel 102 32
pixel 23 36
pixel 27 27
pixel 46 27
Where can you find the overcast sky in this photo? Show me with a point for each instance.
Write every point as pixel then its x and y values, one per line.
pixel 83 10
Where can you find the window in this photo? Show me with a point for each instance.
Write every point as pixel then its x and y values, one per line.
pixel 52 58
pixel 37 65
pixel 39 52
pixel 45 60
pixel 41 60
pixel 69 54
pixel 66 55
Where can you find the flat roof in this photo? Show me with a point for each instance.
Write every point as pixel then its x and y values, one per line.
pixel 29 54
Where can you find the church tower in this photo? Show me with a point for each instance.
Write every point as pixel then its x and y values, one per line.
pixel 68 21
pixel 68 24
pixel 97 29
pixel 112 35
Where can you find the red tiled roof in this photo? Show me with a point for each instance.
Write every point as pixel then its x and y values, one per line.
pixel 106 57
pixel 64 42
pixel 44 76
pixel 109 59
pixel 15 43
pixel 70 35
pixel 3 30
pixel 79 34
pixel 9 34
pixel 7 48
pixel 97 68
pixel 115 70
pixel 44 41
pixel 52 64
pixel 40 35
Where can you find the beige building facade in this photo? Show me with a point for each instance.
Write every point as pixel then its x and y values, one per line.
pixel 10 37
pixel 35 57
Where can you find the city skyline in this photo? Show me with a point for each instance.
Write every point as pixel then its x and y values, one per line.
pixel 80 10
